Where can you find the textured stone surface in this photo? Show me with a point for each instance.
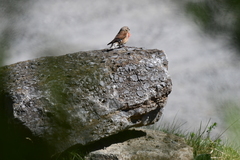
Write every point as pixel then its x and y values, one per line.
pixel 155 145
pixel 82 97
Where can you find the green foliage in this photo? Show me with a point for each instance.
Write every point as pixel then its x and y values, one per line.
pixel 205 147
pixel 201 141
pixel 203 144
pixel 217 18
pixel 202 13
pixel 230 111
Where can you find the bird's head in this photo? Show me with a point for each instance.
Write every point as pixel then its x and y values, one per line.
pixel 125 28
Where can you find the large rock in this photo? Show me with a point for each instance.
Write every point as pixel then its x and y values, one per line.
pixel 151 145
pixel 82 97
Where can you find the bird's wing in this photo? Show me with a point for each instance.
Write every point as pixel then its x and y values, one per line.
pixel 121 35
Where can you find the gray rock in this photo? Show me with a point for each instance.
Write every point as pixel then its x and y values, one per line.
pixel 154 145
pixel 82 97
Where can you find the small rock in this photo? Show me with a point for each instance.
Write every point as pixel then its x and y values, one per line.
pixel 155 145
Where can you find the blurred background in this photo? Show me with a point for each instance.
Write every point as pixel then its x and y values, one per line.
pixel 200 37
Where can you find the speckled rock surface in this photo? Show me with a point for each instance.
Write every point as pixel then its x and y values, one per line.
pixel 82 97
pixel 154 145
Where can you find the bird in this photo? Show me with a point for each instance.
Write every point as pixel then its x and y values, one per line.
pixel 121 38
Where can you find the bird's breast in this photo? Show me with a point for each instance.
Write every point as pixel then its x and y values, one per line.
pixel 128 34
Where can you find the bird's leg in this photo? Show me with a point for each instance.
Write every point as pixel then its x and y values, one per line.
pixel 120 45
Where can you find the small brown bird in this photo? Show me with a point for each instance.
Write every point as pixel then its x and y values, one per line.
pixel 121 38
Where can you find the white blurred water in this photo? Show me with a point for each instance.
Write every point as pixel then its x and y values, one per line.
pixel 203 70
